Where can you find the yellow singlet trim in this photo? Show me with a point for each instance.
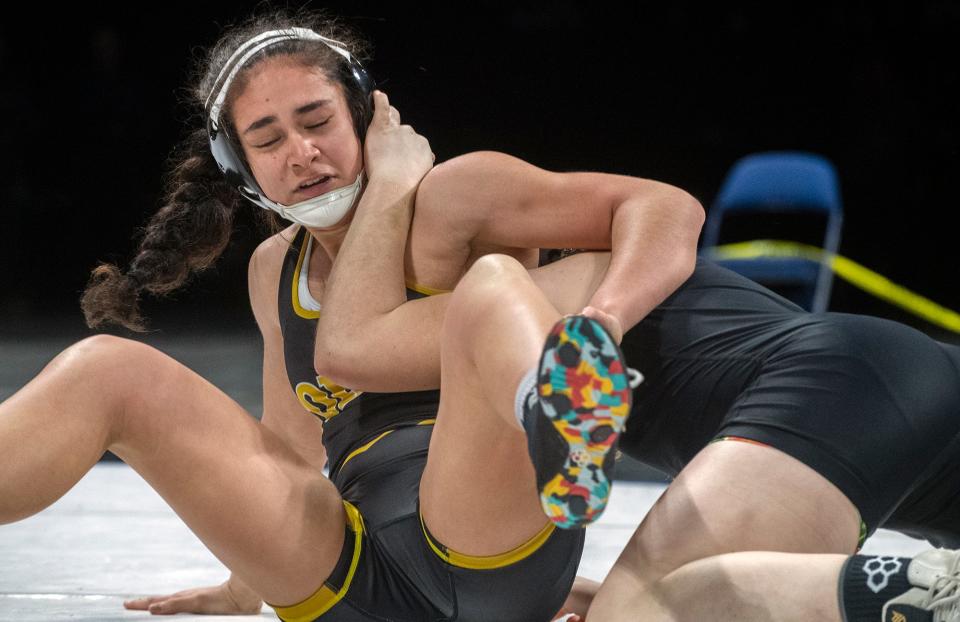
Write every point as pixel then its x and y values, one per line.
pixel 474 562
pixel 359 450
pixel 297 307
pixel 325 598
pixel 425 290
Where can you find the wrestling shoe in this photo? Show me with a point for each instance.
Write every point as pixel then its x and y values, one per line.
pixel 935 597
pixel 574 420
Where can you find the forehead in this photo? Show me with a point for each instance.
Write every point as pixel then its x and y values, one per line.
pixel 278 85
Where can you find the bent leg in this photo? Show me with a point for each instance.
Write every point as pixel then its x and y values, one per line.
pixel 260 508
pixel 732 497
pixel 478 465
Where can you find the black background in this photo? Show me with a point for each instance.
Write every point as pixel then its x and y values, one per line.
pixel 672 91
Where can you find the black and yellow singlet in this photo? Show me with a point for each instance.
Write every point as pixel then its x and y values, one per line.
pixel 391 568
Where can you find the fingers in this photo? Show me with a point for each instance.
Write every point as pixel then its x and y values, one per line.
pixel 607 320
pixel 176 604
pixel 206 600
pixel 383 112
pixel 163 605
pixel 381 107
pixel 141 604
pixel 166 605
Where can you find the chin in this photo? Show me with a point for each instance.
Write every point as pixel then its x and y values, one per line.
pixel 342 224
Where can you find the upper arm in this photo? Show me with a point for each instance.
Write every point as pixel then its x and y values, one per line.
pixel 282 412
pixel 494 198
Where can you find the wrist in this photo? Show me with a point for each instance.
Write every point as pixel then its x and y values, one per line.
pixel 390 204
pixel 241 595
pixel 628 310
pixel 392 184
pixel 608 320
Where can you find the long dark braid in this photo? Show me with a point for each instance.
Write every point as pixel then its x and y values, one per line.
pixel 184 236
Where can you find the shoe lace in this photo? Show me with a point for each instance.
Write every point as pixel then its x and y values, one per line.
pixel 635 377
pixel 943 598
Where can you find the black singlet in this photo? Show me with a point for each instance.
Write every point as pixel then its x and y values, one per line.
pixel 871 404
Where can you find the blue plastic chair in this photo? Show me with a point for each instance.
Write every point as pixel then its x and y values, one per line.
pixel 782 181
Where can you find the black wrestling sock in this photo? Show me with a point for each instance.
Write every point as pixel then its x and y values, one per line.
pixel 867 583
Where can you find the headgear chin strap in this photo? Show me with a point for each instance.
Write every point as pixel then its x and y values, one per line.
pixel 323 211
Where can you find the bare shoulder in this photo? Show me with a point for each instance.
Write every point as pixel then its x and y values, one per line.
pixel 461 193
pixel 263 275
pixel 268 256
pixel 478 169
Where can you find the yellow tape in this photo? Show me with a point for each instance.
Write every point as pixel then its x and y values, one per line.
pixel 850 271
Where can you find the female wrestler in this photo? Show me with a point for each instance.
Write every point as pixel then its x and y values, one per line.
pixel 284 112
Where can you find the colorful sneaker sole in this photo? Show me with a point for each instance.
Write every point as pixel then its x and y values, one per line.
pixel 585 394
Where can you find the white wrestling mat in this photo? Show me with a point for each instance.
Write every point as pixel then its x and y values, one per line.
pixel 112 538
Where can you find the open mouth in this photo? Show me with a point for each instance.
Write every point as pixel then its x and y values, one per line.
pixel 315 187
pixel 319 181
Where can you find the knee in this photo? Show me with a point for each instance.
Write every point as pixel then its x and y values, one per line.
pixel 482 292
pixel 492 266
pixel 105 353
pixel 487 282
pixel 489 277
pixel 96 357
pixel 113 365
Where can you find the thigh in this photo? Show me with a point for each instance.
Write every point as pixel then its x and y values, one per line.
pixel 736 496
pixel 479 493
pixel 256 504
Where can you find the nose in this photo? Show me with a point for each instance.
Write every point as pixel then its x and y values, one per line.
pixel 302 152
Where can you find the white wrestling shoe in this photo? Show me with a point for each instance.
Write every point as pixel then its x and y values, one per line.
pixel 935 575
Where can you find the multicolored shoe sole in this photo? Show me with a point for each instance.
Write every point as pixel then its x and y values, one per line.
pixel 585 394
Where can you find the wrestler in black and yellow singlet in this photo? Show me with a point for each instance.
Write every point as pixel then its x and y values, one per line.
pixel 390 567
pixel 870 404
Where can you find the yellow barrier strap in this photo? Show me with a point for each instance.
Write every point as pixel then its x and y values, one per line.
pixel 847 269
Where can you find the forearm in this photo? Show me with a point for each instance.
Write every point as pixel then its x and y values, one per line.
pixel 651 227
pixel 369 337
pixel 653 251
pixel 357 327
pixel 367 279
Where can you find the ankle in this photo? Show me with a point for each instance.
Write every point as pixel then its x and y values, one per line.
pixel 525 394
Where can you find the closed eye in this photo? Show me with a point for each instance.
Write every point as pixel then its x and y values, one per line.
pixel 275 140
pixel 266 144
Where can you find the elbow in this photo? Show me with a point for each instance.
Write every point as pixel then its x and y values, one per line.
pixel 336 360
pixel 681 217
pixel 694 213
pixel 691 217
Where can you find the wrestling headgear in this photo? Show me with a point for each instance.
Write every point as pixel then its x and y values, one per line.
pixel 322 211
